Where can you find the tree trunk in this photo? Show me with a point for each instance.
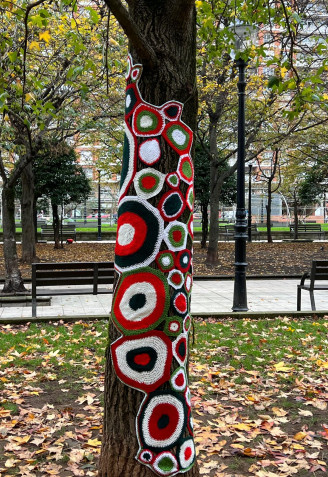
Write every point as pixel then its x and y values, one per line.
pixel 215 192
pixel 169 28
pixel 56 225
pixel 268 209
pixel 295 219
pixel 13 281
pixel 204 210
pixel 27 202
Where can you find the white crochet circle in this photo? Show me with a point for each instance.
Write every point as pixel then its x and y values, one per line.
pixel 150 303
pixel 143 377
pixel 166 261
pixel 178 137
pixel 155 401
pixel 183 461
pixel 146 121
pixel 150 151
pixel 128 101
pixel 125 234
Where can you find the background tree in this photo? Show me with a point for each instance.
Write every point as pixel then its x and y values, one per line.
pixel 268 176
pixel 59 178
pixel 53 75
pixel 280 100
pixel 202 187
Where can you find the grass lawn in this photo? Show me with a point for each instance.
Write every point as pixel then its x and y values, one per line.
pixel 260 394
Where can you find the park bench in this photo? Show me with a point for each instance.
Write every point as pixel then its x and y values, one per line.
pixel 60 276
pixel 319 271
pixel 307 229
pixel 230 232
pixel 66 231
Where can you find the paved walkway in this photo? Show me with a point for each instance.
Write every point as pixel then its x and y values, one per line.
pixel 208 297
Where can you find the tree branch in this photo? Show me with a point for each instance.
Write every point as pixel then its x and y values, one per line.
pixel 145 52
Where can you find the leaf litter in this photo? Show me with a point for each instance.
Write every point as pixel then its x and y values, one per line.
pixel 260 396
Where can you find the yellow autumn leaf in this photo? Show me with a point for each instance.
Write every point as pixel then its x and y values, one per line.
pixel 300 436
pixel 325 96
pixel 113 42
pixel 45 36
pixel 283 71
pixel 34 45
pixel 28 96
pixel 21 440
pixel 94 443
pixel 281 367
pixel 322 364
pixel 242 427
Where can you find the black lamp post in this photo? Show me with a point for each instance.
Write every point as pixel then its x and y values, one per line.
pixel 99 208
pixel 242 34
pixel 250 202
pixel 324 206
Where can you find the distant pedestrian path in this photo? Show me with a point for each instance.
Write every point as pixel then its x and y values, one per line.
pixel 209 296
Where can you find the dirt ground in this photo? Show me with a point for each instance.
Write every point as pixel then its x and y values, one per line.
pixel 284 259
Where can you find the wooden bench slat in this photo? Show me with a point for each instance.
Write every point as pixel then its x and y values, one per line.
pixel 103 272
pixel 72 265
pixel 59 281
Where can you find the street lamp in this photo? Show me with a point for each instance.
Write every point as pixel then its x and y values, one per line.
pixel 243 38
pixel 99 208
pixel 250 166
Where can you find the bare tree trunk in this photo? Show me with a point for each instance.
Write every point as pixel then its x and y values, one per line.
pixel 268 209
pixel 204 209
pixel 13 280
pixel 56 225
pixel 295 219
pixel 27 202
pixel 215 192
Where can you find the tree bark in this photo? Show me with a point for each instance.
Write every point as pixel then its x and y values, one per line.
pixel 268 209
pixel 56 225
pixel 168 29
pixel 204 210
pixel 27 202
pixel 13 281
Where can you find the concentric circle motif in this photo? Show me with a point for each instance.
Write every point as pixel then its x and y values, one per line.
pixel 148 182
pixel 143 362
pixel 178 136
pixel 178 379
pixel 132 99
pixel 150 151
pixel 147 121
pixel 172 110
pixel 139 234
pixel 129 161
pixel 141 301
pixel 162 420
pixel 171 205
pixel 187 396
pixel 175 236
pixel 190 197
pixel 187 324
pixel 183 260
pixel 175 279
pixel 190 225
pixel 173 180
pixel 145 456
pixel 186 169
pixel 165 464
pixel 180 303
pixel 173 326
pixel 165 260
pixel 190 423
pixel 186 453
pixel 180 348
pixel 188 282
pixel 136 73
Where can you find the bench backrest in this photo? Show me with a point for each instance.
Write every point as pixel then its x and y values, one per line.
pixel 307 227
pixel 231 228
pixel 72 273
pixel 319 271
pixel 49 228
